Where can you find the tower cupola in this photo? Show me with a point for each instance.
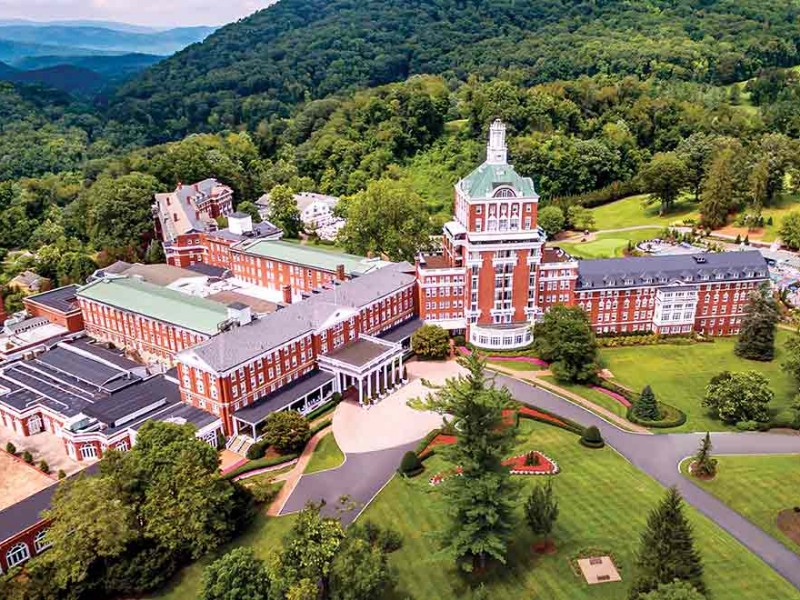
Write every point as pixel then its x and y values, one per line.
pixel 496 149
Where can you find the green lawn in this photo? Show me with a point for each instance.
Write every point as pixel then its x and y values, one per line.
pixel 786 203
pixel 608 245
pixel 327 455
pixel 263 536
pixel 772 484
pixel 633 211
pixel 604 502
pixel 515 365
pixel 595 396
pixel 679 375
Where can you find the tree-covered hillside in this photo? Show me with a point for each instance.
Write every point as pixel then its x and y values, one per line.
pixel 297 50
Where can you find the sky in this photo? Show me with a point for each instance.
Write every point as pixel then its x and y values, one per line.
pixel 159 13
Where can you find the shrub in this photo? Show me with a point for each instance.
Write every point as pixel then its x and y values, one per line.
pixel 259 464
pixel 257 450
pixel 389 540
pixel 424 442
pixel 44 467
pixel 264 492
pixel 531 459
pixel 11 448
pixel 751 426
pixel 460 340
pixel 320 426
pixel 27 457
pixel 61 474
pixel 410 465
pixel 592 438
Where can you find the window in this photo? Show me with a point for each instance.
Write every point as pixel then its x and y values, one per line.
pixel 88 451
pixel 40 542
pixel 18 554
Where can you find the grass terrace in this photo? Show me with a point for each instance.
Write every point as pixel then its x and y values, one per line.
pixel 679 375
pixel 633 211
pixel 771 482
pixel 608 245
pixel 591 395
pixel 326 455
pixel 604 502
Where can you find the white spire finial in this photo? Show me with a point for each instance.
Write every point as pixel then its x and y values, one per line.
pixel 496 149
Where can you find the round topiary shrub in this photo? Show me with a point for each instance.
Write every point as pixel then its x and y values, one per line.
pixel 257 450
pixel 27 457
pixel 44 467
pixel 410 466
pixel 592 438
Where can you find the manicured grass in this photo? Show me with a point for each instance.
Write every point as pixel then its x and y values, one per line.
pixel 595 396
pixel 609 245
pixel 326 455
pixel 679 375
pixel 633 211
pixel 263 536
pixel 603 501
pixel 515 365
pixel 785 204
pixel 771 482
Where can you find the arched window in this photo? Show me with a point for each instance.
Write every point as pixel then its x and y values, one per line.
pixel 40 542
pixel 18 554
pixel 504 192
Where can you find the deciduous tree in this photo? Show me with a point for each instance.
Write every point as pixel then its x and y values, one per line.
pixel 283 211
pixel 735 397
pixel 287 430
pixel 430 342
pixel 665 177
pixel 790 230
pixel 677 590
pixel 551 219
pixel 565 339
pixel 388 217
pixel 235 576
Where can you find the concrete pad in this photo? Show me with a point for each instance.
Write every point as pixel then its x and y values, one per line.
pixel 599 569
pixel 390 422
pixel 19 480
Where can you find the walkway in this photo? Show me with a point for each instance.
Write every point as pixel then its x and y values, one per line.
pixel 291 478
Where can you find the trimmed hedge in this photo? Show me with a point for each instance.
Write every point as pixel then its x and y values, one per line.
pixel 649 339
pixel 423 443
pixel 671 417
pixel 592 438
pixel 320 426
pixel 568 425
pixel 410 465
pixel 336 397
pixel 260 464
pixel 611 386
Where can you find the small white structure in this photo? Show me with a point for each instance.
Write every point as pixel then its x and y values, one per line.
pixel 316 213
pixel 240 223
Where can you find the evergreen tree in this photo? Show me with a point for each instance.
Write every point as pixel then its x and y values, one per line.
pixel 541 509
pixel 704 465
pixel 646 407
pixel 155 253
pixel 717 195
pixel 667 549
pixel 480 503
pixel 757 336
pixel 677 590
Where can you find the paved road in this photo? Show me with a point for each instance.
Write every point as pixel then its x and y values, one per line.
pixel 360 478
pixel 659 455
pixel 363 475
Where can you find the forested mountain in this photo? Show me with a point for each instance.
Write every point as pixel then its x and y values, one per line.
pixel 299 49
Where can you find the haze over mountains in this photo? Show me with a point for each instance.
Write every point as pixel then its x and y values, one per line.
pixel 85 57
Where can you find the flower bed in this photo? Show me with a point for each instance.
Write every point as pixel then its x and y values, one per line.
pixel 612 394
pixel 441 439
pixel 543 465
pixel 440 477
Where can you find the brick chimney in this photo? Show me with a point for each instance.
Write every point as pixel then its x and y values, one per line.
pixel 287 294
pixel 340 272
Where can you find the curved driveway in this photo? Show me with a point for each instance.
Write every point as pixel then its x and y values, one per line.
pixel 363 475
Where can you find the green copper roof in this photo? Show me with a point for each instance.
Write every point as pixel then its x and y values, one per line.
pixel 308 256
pixel 482 182
pixel 163 304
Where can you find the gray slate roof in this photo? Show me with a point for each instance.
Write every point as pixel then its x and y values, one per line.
pixel 61 299
pixel 681 268
pixel 230 349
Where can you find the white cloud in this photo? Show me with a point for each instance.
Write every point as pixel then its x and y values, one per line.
pixel 144 12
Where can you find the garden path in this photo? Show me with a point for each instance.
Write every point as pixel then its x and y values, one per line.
pixel 291 478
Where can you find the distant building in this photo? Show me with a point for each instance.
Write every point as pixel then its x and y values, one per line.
pixel 185 213
pixel 29 283
pixel 495 276
pixel 316 213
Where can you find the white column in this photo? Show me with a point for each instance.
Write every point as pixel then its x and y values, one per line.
pixel 369 386
pixel 360 392
pixel 385 373
pixel 394 371
pixel 400 367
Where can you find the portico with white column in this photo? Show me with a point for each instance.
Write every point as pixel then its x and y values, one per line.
pixel 371 365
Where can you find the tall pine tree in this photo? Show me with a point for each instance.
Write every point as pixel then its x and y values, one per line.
pixel 757 336
pixel 480 503
pixel 667 549
pixel 704 464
